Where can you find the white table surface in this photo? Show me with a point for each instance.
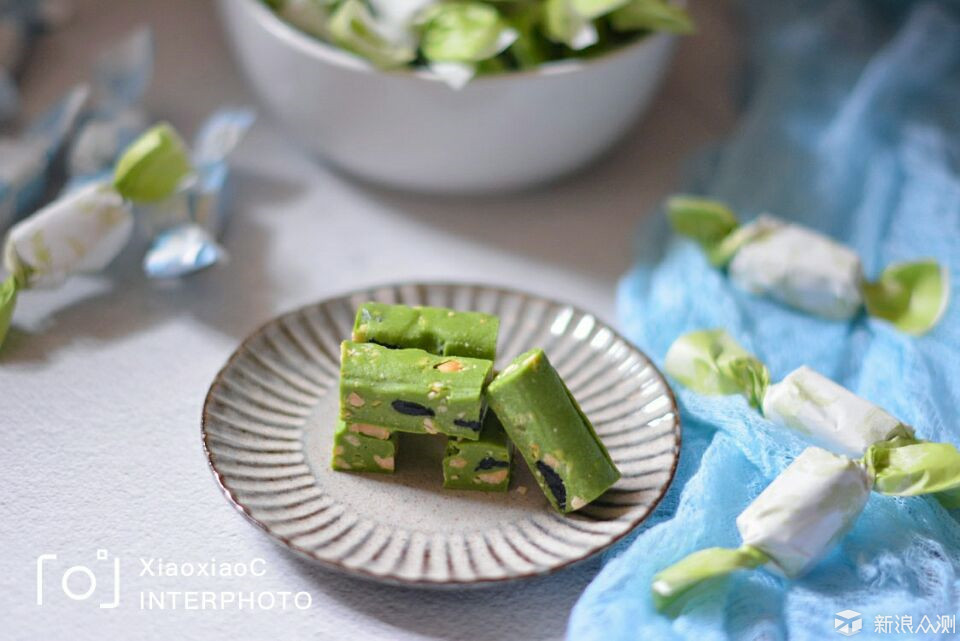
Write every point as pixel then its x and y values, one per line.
pixel 103 380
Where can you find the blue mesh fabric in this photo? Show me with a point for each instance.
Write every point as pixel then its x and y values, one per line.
pixel 850 125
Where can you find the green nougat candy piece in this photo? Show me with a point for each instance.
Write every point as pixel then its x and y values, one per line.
pixel 551 431
pixel 483 464
pixel 359 453
pixel 411 390
pixel 434 329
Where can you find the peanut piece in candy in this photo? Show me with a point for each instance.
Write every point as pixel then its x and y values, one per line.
pixel 411 390
pixel 483 464
pixel 433 329
pixel 551 432
pixel 356 452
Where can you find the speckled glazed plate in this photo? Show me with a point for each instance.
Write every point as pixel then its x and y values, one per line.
pixel 268 423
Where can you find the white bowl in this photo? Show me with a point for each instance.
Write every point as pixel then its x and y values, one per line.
pixel 408 129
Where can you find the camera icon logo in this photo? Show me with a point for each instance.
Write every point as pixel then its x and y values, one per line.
pixel 79 582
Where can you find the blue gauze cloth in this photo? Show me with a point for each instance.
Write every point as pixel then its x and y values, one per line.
pixel 851 126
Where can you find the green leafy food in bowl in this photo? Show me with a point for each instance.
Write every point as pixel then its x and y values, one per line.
pixel 457 39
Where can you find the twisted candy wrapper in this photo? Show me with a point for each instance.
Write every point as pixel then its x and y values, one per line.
pixel 86 228
pixel 821 412
pixel 187 223
pixel 26 160
pixel 114 118
pixel 808 271
pixel 788 528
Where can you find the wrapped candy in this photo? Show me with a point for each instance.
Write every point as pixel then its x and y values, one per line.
pixel 114 117
pixel 81 232
pixel 819 411
pixel 85 229
pixel 788 528
pixel 26 160
pixel 456 40
pixel 808 271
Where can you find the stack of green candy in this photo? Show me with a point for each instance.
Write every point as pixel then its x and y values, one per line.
pixel 428 370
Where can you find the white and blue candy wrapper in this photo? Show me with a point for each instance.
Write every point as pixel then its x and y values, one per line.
pixel 80 232
pixel 187 224
pixel 115 117
pixel 26 160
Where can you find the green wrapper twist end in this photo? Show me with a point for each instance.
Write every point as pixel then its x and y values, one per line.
pixel 907 467
pixel 151 168
pixel 8 300
pixel 652 15
pixel 674 585
pixel 708 222
pixel 912 296
pixel 711 362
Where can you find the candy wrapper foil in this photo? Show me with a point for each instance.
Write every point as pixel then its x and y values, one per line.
pixel 805 510
pixel 80 232
pixel 123 72
pixel 828 414
pixel 115 116
pixel 26 161
pixel 180 251
pixel 201 201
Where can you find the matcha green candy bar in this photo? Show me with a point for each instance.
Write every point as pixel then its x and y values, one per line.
pixel 360 453
pixel 434 329
pixel 411 390
pixel 483 464
pixel 551 431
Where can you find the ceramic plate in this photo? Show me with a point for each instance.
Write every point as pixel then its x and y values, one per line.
pixel 268 422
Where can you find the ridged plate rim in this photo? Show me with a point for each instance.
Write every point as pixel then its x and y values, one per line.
pixel 362 573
